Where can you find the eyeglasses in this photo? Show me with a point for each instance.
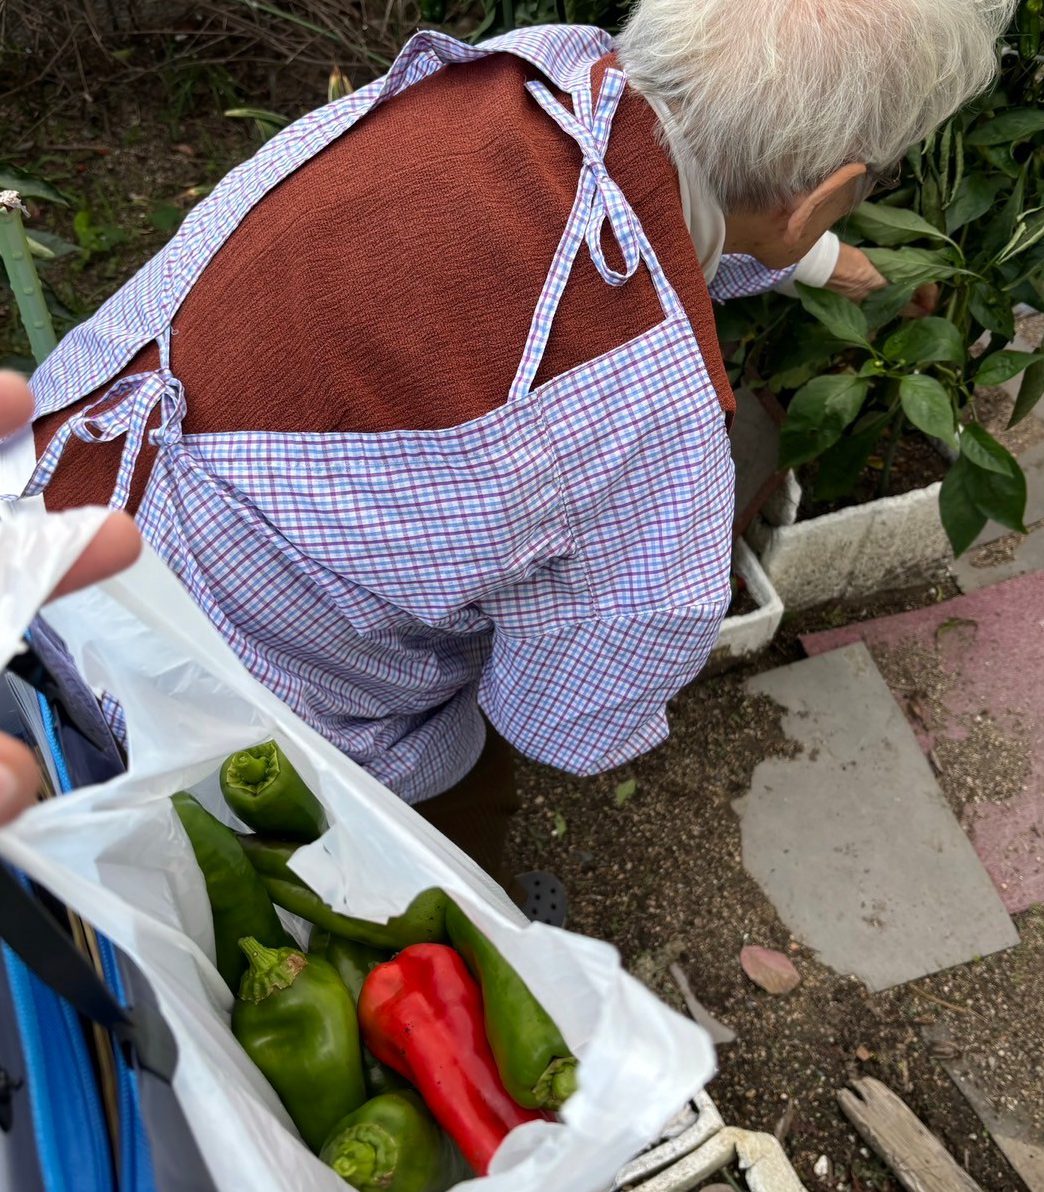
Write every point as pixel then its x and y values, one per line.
pixel 878 180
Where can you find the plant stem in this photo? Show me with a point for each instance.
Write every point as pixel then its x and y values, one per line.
pixel 21 273
pixel 895 434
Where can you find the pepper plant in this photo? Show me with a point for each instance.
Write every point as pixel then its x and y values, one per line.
pixel 970 217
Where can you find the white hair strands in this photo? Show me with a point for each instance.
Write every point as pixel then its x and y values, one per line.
pixel 769 97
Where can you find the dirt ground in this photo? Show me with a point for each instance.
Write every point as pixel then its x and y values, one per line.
pixel 659 874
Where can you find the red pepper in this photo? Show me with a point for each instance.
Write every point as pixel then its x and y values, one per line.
pixel 421 1014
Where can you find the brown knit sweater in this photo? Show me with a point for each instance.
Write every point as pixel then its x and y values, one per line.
pixel 389 283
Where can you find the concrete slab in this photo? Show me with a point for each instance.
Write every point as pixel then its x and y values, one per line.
pixel 1022 1145
pixel 852 840
pixel 969 676
pixel 1004 557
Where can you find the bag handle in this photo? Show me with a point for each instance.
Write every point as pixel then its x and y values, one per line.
pixel 36 936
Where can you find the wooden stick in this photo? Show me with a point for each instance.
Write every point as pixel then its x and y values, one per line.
pixel 919 1160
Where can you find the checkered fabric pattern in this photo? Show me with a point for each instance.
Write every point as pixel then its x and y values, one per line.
pixel 739 276
pixel 562 562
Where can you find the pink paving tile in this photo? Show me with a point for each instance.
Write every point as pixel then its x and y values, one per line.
pixel 985 656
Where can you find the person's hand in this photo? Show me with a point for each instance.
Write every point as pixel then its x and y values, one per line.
pixel 856 277
pixel 115 546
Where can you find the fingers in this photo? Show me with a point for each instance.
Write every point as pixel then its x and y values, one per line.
pixel 19 779
pixel 855 276
pixel 115 547
pixel 16 402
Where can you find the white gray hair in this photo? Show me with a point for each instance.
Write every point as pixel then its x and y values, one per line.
pixel 769 97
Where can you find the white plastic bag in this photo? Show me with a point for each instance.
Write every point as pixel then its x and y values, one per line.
pixel 117 855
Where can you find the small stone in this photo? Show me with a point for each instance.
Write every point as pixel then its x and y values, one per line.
pixel 822 1168
pixel 944 1049
pixel 863 1053
pixel 771 970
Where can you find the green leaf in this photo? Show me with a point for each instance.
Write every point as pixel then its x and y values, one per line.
pixel 805 353
pixel 892 225
pixel 960 516
pixel 838 315
pixel 560 825
pixel 1030 392
pixel 975 196
pixel 923 340
pixel 1002 366
pixel 980 448
pixel 12 178
pixel 838 468
pixel 1000 157
pixel 1000 497
pixel 992 308
pixel 49 247
pixel 914 265
pixel 165 217
pixel 927 404
pixel 817 415
pixel 1029 230
pixel 999 230
pixel 267 123
pixel 882 306
pixel 1018 124
pixel 625 791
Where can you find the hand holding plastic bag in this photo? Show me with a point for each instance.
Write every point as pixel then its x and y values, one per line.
pixel 109 544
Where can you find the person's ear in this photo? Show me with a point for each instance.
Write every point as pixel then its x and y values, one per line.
pixel 817 211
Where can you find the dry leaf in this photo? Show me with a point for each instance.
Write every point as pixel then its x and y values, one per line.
pixel 773 971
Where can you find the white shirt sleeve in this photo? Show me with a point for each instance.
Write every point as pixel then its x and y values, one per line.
pixel 816 267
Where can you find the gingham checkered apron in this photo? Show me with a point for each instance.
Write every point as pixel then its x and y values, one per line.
pixel 535 560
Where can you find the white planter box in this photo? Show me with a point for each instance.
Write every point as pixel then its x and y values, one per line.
pixel 747 634
pixel 883 544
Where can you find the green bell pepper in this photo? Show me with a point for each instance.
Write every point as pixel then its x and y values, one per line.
pixel 297 1022
pixel 392 1144
pixel 535 1064
pixel 239 902
pixel 423 921
pixel 354 962
pixel 266 792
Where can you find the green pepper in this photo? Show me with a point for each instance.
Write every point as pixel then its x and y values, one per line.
pixel 423 921
pixel 239 902
pixel 266 792
pixel 354 962
pixel 297 1022
pixel 392 1144
pixel 536 1066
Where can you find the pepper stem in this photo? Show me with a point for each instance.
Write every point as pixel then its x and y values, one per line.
pixel 557 1083
pixel 271 969
pixel 366 1156
pixel 249 769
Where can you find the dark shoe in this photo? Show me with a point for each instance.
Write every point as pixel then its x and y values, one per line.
pixel 543 898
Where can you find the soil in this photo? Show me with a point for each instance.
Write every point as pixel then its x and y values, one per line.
pixel 915 464
pixel 661 877
pixel 135 169
pixel 742 602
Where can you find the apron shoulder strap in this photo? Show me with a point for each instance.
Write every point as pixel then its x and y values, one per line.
pixel 599 201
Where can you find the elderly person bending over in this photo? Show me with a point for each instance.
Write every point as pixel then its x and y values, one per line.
pixel 424 404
